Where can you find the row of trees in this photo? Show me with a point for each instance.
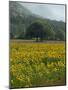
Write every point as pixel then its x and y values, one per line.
pixel 40 30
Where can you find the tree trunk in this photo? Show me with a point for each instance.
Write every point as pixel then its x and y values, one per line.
pixel 36 39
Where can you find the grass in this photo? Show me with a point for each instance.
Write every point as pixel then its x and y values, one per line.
pixel 36 64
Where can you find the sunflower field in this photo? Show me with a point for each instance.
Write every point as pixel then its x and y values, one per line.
pixel 37 64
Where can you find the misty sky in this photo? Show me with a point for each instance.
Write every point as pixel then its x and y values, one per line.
pixel 50 11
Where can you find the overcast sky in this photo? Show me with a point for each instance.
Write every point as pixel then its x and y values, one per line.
pixel 50 11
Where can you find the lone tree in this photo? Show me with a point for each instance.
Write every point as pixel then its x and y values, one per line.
pixel 36 30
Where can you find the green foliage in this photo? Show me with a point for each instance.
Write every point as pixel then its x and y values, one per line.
pixel 36 30
pixel 21 20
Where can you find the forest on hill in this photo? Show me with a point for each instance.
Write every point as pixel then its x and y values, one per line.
pixel 26 25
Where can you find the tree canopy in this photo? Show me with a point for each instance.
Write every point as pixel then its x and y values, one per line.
pixel 41 30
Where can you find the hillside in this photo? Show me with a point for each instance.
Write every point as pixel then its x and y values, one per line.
pixel 21 18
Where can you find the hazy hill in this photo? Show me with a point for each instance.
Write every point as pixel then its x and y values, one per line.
pixel 21 18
